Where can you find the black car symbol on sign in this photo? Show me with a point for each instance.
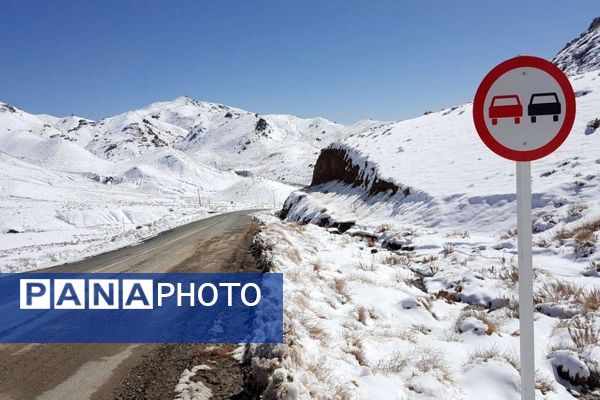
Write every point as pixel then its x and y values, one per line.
pixel 543 104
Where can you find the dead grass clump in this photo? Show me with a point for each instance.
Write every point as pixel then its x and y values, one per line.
pixel 583 333
pixel 317 265
pixel 585 231
pixel 341 287
pixel 492 326
pixel 316 332
pixel 331 383
pixel 294 255
pixel 585 241
pixel 484 355
pixel 509 273
pixel 556 292
pixel 509 234
pixel 367 266
pixel 575 210
pixel 592 225
pixel 423 359
pixel 593 269
pixel 363 315
pixel 428 259
pixel 294 226
pixel 447 250
pixel 544 383
pixel 359 354
pixel 589 300
pixel 459 233
pixel 396 259
pixel 543 243
pixel 383 228
pixel 421 329
pixel 510 307
pixel 561 235
pixel 449 297
pixel 457 261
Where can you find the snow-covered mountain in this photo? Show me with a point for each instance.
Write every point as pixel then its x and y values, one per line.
pixel 169 152
pixel 581 54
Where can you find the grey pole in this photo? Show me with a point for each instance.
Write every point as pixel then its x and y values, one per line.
pixel 527 348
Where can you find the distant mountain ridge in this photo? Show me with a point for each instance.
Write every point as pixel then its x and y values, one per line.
pixel 278 147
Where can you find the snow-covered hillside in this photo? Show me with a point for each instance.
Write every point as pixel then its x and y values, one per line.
pixel 73 187
pixel 402 276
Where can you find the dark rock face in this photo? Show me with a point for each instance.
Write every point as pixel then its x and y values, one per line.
pixel 595 23
pixel 335 165
pixel 261 125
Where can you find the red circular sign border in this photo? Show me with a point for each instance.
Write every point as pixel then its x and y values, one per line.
pixel 486 84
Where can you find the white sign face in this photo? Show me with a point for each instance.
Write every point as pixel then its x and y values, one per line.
pixel 524 109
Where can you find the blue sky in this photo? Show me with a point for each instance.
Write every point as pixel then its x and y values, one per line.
pixel 344 60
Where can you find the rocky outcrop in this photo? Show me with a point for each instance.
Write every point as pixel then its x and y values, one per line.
pixel 582 54
pixel 337 163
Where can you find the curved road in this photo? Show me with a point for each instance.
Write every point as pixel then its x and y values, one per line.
pixel 123 371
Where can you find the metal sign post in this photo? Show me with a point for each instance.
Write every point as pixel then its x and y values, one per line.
pixel 524 235
pixel 523 110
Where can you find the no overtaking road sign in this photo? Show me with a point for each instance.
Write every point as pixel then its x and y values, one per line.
pixel 523 110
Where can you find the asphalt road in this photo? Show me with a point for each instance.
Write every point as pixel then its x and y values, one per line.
pixel 124 371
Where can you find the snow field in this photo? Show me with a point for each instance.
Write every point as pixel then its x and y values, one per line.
pixel 439 321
